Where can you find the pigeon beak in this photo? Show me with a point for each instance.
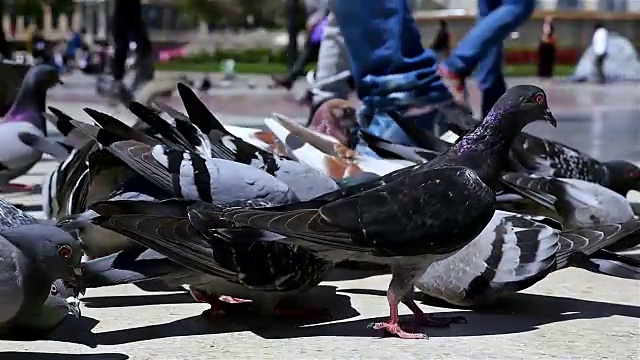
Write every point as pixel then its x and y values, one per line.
pixel 548 116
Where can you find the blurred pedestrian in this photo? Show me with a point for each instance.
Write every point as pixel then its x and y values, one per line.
pixel 442 42
pixel 599 43
pixel 332 73
pixel 547 49
pixel 316 21
pixel 75 43
pixel 40 47
pixel 482 49
pixel 128 25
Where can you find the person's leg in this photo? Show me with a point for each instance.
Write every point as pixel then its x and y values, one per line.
pixel 498 18
pixel 391 68
pixel 490 78
pixel 120 34
pixel 145 70
pixel 309 51
pixel 333 60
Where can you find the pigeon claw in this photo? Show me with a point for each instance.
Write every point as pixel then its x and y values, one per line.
pixel 394 328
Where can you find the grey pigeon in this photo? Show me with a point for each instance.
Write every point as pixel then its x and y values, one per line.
pixel 415 216
pixel 530 153
pixel 25 116
pixel 61 302
pixel 242 263
pixel 191 176
pixel 578 204
pixel 512 253
pixel 303 180
pixel 32 257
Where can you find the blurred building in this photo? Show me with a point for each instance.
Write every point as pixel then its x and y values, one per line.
pixel 159 16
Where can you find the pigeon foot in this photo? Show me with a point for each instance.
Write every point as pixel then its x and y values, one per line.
pixel 393 328
pixel 302 312
pixel 439 322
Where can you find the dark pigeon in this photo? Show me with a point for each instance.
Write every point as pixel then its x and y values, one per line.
pixel 242 263
pixel 551 158
pixel 25 116
pixel 414 216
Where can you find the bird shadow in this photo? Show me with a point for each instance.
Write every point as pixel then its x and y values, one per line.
pixel 136 300
pixel 513 314
pixel 206 324
pixel 17 355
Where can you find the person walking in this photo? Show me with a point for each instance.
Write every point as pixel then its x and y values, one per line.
pixel 599 43
pixel 128 25
pixel 316 22
pixel 547 49
pixel 481 50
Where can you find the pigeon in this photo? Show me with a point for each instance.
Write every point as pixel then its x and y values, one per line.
pixel 337 118
pixel 12 75
pixel 25 115
pixel 61 302
pixel 512 253
pixel 32 257
pixel 412 217
pixel 213 262
pixel 578 203
pixel 326 154
pixel 189 175
pixel 551 158
pixel 303 180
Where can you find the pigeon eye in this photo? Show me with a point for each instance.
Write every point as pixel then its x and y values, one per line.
pixel 54 289
pixel 65 251
pixel 539 99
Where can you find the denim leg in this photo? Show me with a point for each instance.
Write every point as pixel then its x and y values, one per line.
pixel 491 78
pixel 498 18
pixel 391 68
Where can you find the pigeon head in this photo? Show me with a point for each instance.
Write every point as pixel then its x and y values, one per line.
pixel 43 75
pixel 520 106
pixel 31 98
pixel 623 176
pixel 56 251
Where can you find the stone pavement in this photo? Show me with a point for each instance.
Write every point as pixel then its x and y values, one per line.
pixel 572 314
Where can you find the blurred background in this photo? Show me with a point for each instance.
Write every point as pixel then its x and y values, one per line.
pixel 256 33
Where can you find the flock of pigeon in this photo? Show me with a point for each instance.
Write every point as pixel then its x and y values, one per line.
pixel 246 217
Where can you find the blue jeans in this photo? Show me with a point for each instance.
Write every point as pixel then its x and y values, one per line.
pixel 482 46
pixel 391 69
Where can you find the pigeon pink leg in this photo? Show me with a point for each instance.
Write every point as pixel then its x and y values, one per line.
pixel 393 325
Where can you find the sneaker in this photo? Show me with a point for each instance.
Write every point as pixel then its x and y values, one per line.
pixel 336 118
pixel 455 83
